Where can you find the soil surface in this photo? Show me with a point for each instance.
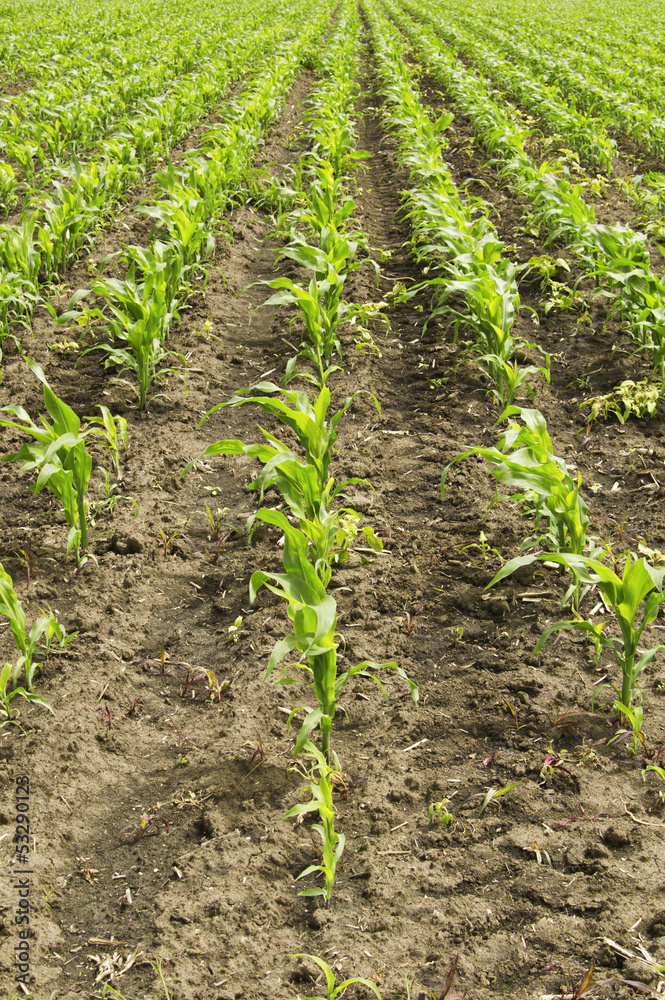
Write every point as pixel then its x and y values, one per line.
pixel 157 804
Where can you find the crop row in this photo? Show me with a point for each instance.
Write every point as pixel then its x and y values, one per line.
pixel 586 135
pixel 610 97
pixel 614 254
pixel 523 461
pixel 452 236
pixel 617 46
pixel 53 230
pixel 142 306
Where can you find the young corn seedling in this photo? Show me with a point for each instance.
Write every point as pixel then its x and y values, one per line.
pixel 60 457
pixel 332 991
pixel 320 786
pixel 8 186
pixel 508 377
pixel 493 794
pixel 313 615
pixel 45 627
pixel 185 217
pixel 322 311
pixel 659 798
pixel 18 298
pixel 306 484
pixel 112 430
pixel 67 220
pixel 163 267
pixel 624 596
pixel 18 251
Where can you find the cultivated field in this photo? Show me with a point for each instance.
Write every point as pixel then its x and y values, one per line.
pixel 331 514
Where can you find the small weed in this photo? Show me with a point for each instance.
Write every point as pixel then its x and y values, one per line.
pixel 659 798
pixel 439 813
pixel 167 540
pixel 105 709
pixel 25 557
pixel 147 823
pixel 182 760
pixel 448 983
pixel 411 618
pixel 553 762
pixel 235 630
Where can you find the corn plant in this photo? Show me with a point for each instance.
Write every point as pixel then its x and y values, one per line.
pixel 319 776
pixel 332 991
pixel 311 550
pixel 304 484
pixel 313 615
pixel 525 462
pixel 8 185
pixel 45 627
pixel 112 430
pixel 59 456
pixel 507 376
pixel 18 251
pixel 185 216
pixel 582 133
pixel 624 596
pixel 319 233
pixel 25 153
pixel 65 230
pixel 142 316
pixel 18 298
pixel 452 235
pixel 163 267
pixel 322 308
pixel 615 254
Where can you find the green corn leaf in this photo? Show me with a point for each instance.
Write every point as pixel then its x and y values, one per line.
pixel 312 720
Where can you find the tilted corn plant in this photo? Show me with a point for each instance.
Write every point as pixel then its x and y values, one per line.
pixel 624 596
pixel 524 461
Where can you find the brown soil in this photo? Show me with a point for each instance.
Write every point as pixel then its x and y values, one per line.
pixel 530 891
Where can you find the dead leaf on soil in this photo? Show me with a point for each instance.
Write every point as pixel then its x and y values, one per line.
pixel 111 966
